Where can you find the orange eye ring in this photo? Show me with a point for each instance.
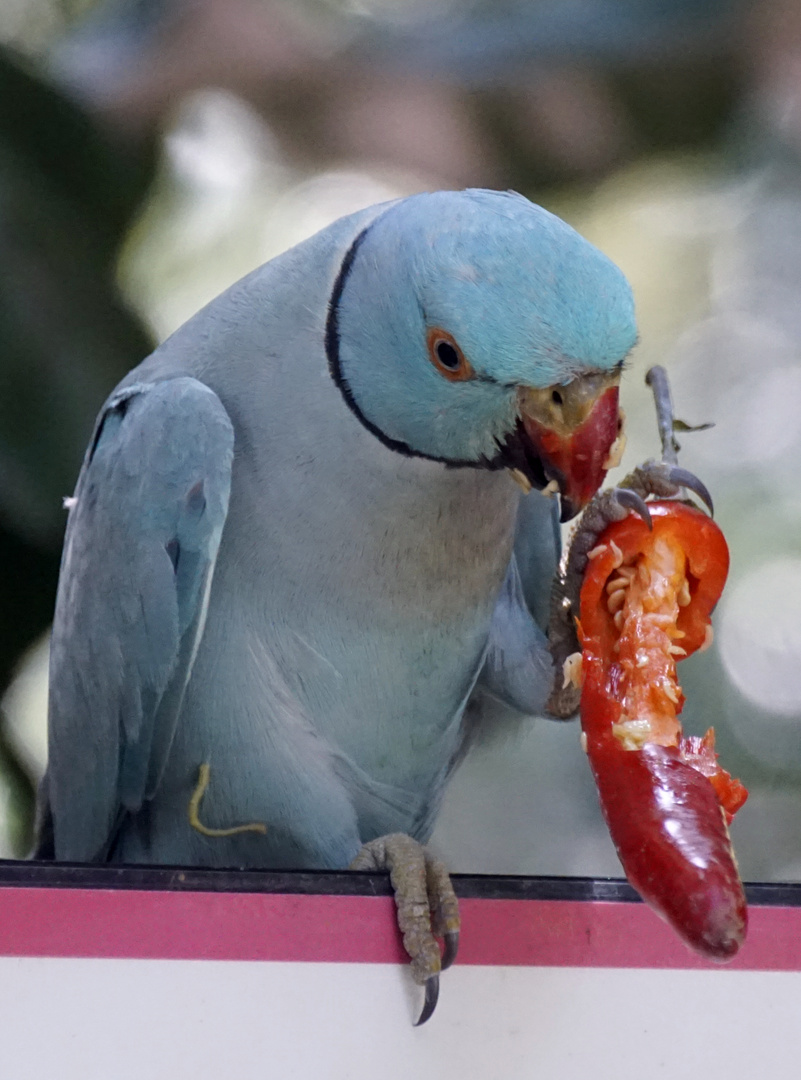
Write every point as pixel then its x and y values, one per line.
pixel 447 357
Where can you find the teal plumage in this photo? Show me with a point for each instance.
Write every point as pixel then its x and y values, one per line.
pixel 295 551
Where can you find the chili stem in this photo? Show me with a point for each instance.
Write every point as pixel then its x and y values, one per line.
pixel 657 379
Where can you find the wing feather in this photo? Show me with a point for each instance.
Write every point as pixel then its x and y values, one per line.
pixel 138 561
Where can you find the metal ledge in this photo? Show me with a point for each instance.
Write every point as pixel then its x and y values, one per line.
pixel 14 873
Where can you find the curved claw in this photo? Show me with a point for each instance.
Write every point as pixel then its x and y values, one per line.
pixel 430 1003
pixel 682 478
pixel 426 904
pixel 627 497
pixel 451 949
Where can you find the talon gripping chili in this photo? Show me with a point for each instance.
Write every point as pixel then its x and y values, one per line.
pixel 646 601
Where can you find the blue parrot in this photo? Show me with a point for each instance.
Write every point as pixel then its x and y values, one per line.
pixel 299 567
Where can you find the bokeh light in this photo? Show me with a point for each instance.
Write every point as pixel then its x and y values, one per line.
pixel 760 647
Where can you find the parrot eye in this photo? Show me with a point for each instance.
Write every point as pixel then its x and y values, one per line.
pixel 447 357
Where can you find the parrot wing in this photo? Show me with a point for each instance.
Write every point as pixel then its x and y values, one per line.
pixel 139 554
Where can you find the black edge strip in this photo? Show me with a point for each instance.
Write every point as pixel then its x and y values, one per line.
pixel 17 874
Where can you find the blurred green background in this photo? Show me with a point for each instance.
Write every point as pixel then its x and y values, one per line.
pixel 153 151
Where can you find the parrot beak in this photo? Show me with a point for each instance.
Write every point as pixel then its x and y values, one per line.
pixel 576 431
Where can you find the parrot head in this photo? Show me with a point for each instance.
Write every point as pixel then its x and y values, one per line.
pixel 477 329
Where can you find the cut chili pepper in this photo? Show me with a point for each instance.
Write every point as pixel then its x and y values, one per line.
pixel 646 602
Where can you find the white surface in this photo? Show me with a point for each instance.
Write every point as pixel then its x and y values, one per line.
pixel 121 1019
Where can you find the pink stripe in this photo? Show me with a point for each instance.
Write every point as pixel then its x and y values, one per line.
pixel 257 926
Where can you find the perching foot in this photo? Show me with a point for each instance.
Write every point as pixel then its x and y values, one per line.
pixel 426 903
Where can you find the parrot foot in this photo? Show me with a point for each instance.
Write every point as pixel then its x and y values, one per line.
pixel 661 479
pixel 204 775
pixel 426 903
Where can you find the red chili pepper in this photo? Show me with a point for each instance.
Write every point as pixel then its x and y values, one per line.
pixel 645 602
